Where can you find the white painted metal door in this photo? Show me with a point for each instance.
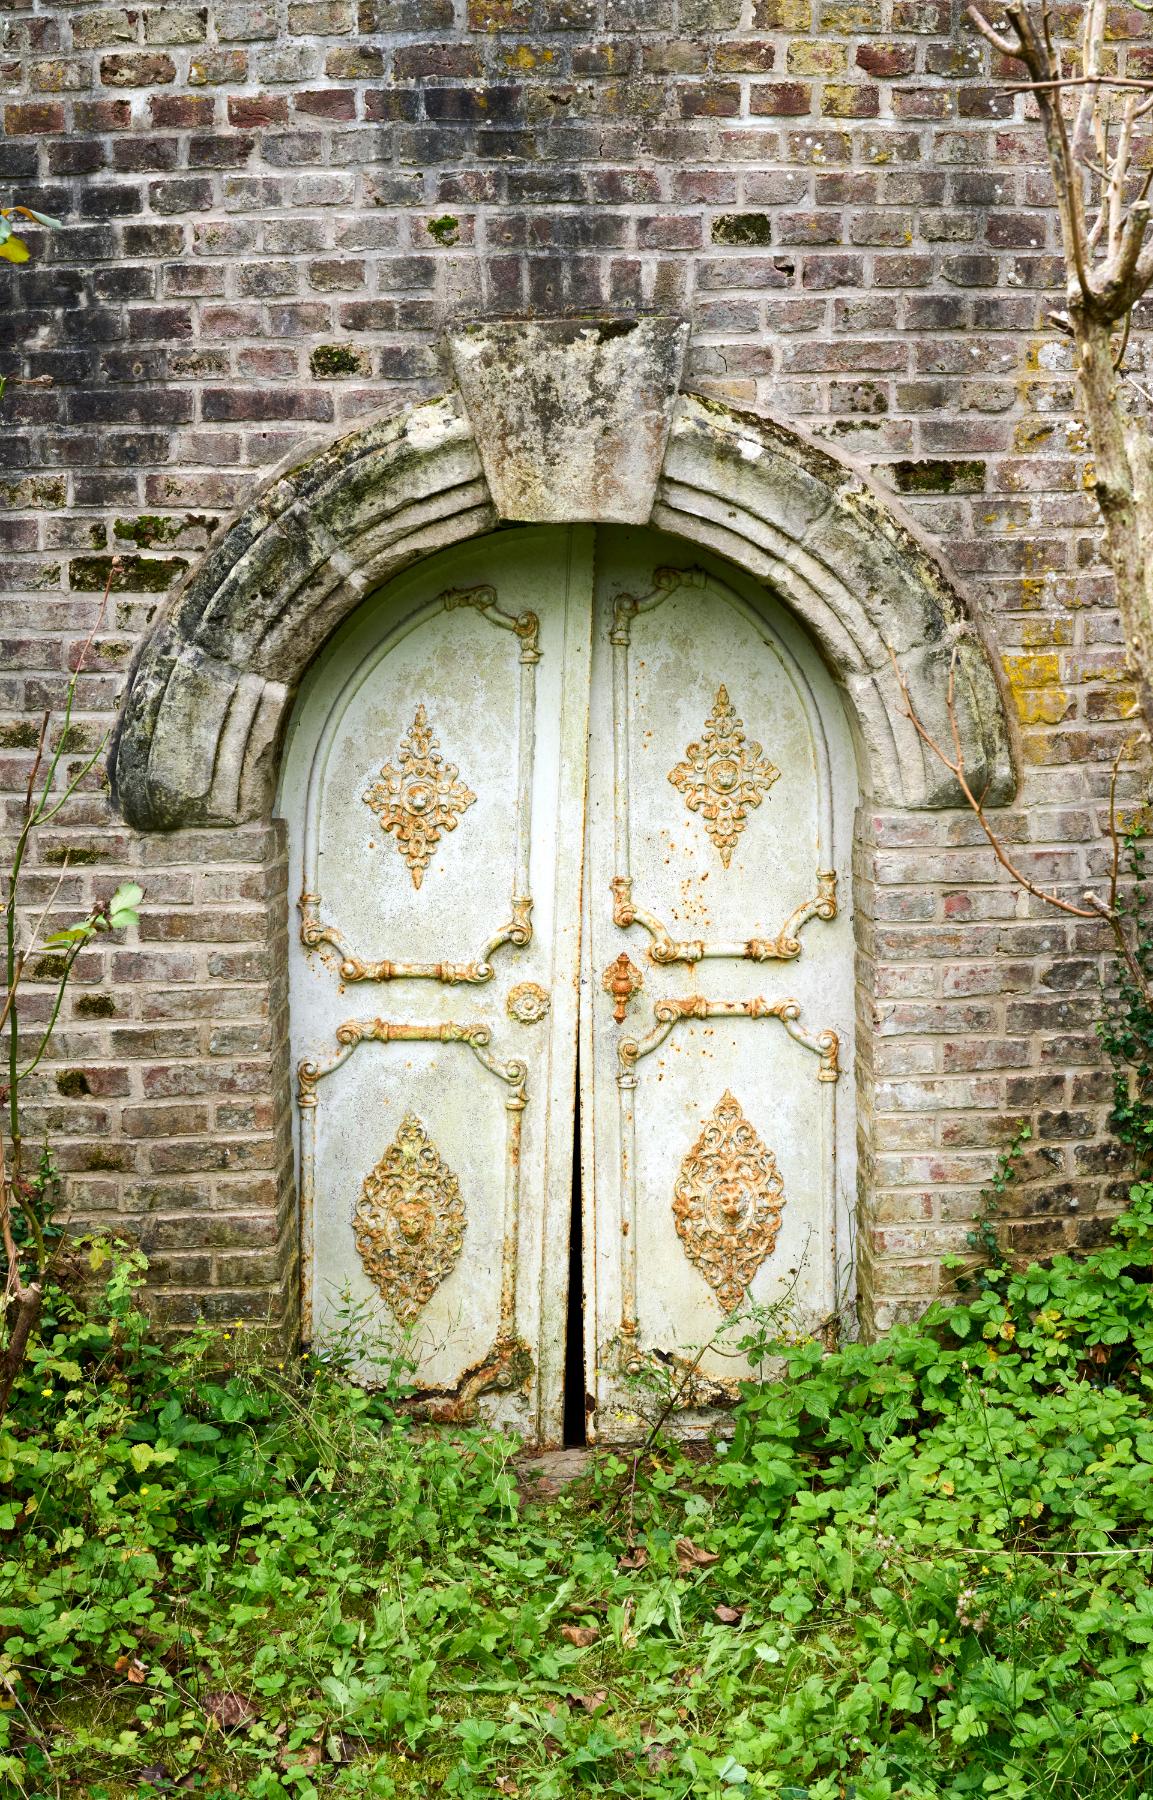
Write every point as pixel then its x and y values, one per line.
pixel 446 789
pixel 717 978
pixel 434 785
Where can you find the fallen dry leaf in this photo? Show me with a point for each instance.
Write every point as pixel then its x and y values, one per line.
pixel 592 1702
pixel 305 1756
pixel 132 1667
pixel 728 1615
pixel 229 1711
pixel 634 1559
pixel 505 1784
pixel 580 1635
pixel 659 1756
pixel 690 1556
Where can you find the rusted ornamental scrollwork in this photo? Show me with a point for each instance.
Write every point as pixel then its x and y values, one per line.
pixel 727 1202
pixel 420 798
pixel 723 776
pixel 409 1221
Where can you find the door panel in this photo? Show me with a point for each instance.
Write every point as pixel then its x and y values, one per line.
pixel 545 721
pixel 434 980
pixel 718 844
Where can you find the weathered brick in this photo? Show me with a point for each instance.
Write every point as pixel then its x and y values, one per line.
pixel 97 30
pixel 175 25
pixel 181 111
pixel 102 115
pixel 214 68
pixel 321 18
pixel 141 68
pixel 35 117
pixel 249 111
pixel 780 98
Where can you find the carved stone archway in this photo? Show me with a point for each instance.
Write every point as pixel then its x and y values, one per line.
pixel 576 420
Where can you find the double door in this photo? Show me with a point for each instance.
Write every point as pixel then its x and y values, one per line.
pixel 569 813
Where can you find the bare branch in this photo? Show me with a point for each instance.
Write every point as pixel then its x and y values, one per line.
pixel 956 766
pixel 1077 81
pixel 998 42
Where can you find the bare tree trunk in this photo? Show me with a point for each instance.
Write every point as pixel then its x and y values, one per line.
pixel 1104 216
pixel 1121 470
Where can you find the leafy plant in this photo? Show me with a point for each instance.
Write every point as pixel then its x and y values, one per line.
pixel 920 1568
pixel 25 1197
pixel 13 249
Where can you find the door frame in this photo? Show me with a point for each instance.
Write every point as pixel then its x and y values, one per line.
pixel 200 733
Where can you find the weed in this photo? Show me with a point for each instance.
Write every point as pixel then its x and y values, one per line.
pixel 918 1568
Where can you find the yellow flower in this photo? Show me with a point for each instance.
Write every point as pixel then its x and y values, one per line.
pixel 144 1490
pixel 47 1393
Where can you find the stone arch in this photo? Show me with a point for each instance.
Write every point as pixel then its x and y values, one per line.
pixel 201 724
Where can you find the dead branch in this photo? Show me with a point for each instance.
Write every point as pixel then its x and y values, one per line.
pixel 956 766
pixel 1093 906
pixel 1104 214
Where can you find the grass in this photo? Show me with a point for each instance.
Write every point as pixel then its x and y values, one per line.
pixel 920 1568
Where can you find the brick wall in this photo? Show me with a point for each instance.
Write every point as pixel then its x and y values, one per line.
pixel 270 208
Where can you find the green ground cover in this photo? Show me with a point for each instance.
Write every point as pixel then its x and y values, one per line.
pixel 919 1568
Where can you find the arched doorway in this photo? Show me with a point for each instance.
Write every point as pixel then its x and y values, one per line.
pixel 571 787
pixel 202 728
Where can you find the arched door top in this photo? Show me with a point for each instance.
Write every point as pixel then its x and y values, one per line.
pixel 201 724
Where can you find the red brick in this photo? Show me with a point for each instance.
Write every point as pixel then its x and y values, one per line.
pixel 103 115
pixel 715 100
pixel 886 61
pixel 327 103
pixel 251 110
pixel 36 117
pixel 182 112
pixel 775 98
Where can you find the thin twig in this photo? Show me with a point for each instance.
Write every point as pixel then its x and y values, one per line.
pixel 1094 906
pixel 956 765
pixel 1114 834
pixel 1075 81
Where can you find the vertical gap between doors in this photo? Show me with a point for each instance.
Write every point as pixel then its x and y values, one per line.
pixel 574 1356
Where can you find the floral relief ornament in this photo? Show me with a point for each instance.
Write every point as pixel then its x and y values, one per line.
pixel 409 1221
pixel 420 798
pixel 727 1202
pixel 723 776
pixel 527 1003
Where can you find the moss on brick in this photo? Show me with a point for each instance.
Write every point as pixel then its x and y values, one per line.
pixel 743 228
pixel 133 575
pixel 23 734
pixel 329 361
pixel 445 230
pixel 938 475
pixel 76 856
pixel 73 1083
pixel 149 529
pixel 95 1006
pixel 49 968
